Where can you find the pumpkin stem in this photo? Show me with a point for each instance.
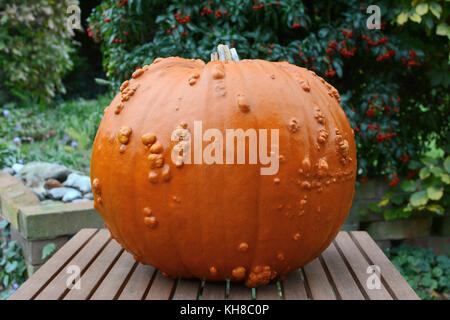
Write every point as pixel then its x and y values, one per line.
pixel 224 53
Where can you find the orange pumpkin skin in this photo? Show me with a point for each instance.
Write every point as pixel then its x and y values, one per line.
pixel 218 222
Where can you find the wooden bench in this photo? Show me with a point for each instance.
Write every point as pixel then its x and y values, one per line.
pixel 108 272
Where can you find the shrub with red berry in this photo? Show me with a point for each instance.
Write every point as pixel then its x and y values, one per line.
pixel 393 81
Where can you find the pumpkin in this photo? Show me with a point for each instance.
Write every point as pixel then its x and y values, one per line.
pixel 220 221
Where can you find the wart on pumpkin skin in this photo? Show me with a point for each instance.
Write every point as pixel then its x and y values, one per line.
pixel 213 153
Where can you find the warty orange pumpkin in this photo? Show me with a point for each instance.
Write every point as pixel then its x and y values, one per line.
pixel 221 221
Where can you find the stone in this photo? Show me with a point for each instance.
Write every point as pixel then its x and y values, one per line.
pixel 399 229
pixel 58 219
pixel 39 193
pixel 384 244
pixel 72 195
pixel 350 226
pixel 80 200
pixel 17 167
pixel 49 201
pixel 367 190
pixel 441 226
pixel 32 249
pixel 59 193
pixel 31 269
pixel 13 194
pixel 33 181
pixel 357 205
pixel 89 196
pixel 9 171
pixel 439 245
pixel 45 171
pixel 52 183
pixel 80 182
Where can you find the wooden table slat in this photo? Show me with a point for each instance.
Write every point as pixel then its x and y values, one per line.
pixel 56 263
pixel 238 291
pixel 138 283
pixel 161 288
pixel 268 292
pixel 96 272
pixel 214 291
pixel 317 281
pixel 346 286
pixel 108 272
pixel 58 285
pixel 359 266
pixel 114 280
pixel 392 276
pixel 293 286
pixel 187 289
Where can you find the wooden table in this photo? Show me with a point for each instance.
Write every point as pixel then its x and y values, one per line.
pixel 108 272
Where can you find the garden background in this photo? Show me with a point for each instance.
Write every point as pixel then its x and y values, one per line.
pixel 393 82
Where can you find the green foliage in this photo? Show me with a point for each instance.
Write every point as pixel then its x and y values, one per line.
pixel 34 48
pixel 48 250
pixel 427 274
pixel 429 192
pixel 394 88
pixel 62 134
pixel 431 14
pixel 12 264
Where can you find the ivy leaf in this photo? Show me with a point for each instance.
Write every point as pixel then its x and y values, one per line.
pixel 422 8
pixel 418 198
pixel 435 193
pixel 48 250
pixel 402 18
pixel 436 9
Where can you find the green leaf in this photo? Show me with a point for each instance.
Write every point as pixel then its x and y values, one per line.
pixel 415 17
pixel 11 266
pixel 445 178
pixel 323 32
pixel 102 82
pixel 435 193
pixel 374 207
pixel 48 250
pixel 443 29
pixel 418 198
pixel 408 186
pixel 435 208
pixel 447 164
pixel 383 203
pixel 424 173
pixel 436 171
pixel 428 22
pixel 436 9
pixel 402 18
pixel 422 8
